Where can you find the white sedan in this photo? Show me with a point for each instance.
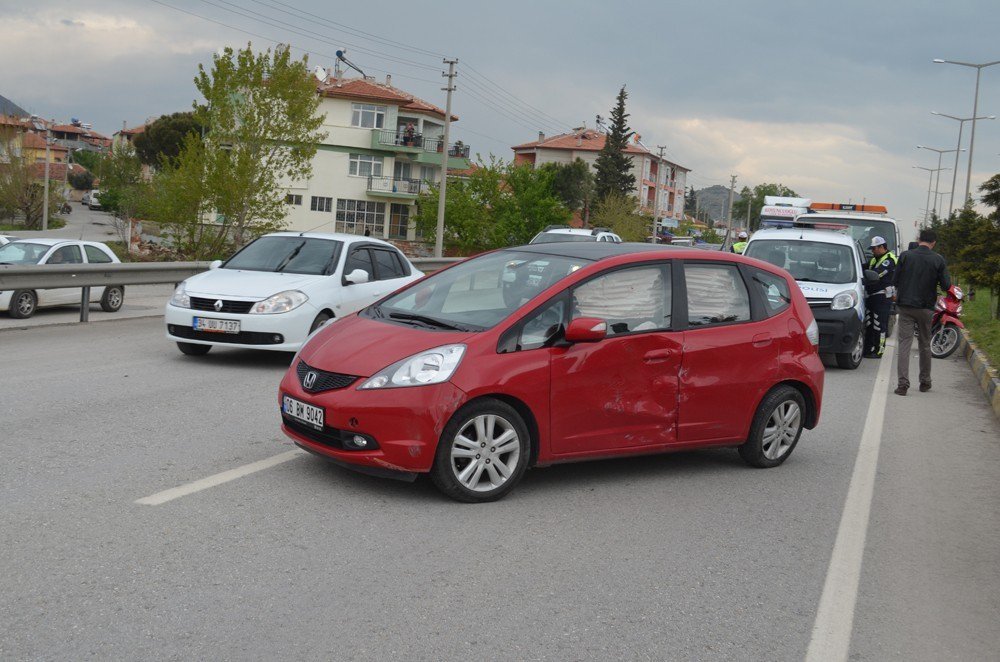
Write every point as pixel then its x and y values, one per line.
pixel 280 288
pixel 23 303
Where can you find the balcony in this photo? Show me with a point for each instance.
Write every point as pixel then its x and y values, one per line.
pixel 387 139
pixel 392 187
pixel 429 150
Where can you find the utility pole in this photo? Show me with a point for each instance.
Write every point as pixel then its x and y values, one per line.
pixel 45 188
pixel 656 197
pixel 439 235
pixel 749 200
pixel 729 213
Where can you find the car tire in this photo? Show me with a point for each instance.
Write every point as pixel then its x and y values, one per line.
pixel 776 428
pixel 23 304
pixel 192 349
pixel 851 360
pixel 113 298
pixel 479 438
pixel 320 320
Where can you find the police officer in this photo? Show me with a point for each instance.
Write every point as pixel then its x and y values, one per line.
pixel 879 301
pixel 740 245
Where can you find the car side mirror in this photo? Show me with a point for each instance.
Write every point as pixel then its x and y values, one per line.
pixel 215 264
pixel 586 329
pixel 356 277
pixel 871 277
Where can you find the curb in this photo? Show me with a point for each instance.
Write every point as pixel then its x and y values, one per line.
pixel 985 374
pixel 99 320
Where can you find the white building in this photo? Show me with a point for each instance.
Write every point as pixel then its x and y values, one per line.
pixel 382 148
pixel 650 171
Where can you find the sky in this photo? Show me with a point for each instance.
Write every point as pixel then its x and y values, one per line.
pixel 830 99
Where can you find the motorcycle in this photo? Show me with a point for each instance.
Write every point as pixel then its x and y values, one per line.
pixel 65 208
pixel 945 325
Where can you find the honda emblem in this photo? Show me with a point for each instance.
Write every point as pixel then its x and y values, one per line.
pixel 309 380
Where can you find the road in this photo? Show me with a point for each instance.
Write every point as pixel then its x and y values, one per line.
pixel 691 556
pixel 81 223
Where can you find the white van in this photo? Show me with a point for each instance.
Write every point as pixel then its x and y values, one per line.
pixel 829 267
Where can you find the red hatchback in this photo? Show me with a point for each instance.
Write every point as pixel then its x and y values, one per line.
pixel 559 352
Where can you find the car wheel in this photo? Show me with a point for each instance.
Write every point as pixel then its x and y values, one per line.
pixel 191 349
pixel 112 299
pixel 775 429
pixel 23 304
pixel 944 341
pixel 851 360
pixel 483 452
pixel 320 320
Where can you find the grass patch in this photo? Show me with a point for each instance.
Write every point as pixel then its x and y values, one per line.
pixel 984 329
pixel 54 224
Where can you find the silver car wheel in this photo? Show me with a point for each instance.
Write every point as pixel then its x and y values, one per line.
pixel 115 298
pixel 25 304
pixel 485 453
pixel 859 349
pixel 782 429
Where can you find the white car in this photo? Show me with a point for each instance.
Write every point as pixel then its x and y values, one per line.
pixel 561 233
pixel 23 303
pixel 280 288
pixel 94 202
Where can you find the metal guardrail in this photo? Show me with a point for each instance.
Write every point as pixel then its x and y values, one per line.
pixel 85 276
pixel 95 275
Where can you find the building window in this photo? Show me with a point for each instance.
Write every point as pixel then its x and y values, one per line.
pixel 359 216
pixel 429 173
pixel 399 221
pixel 321 204
pixel 292 199
pixel 368 116
pixel 366 165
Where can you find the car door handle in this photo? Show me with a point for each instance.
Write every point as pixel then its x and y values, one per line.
pixel 761 340
pixel 657 355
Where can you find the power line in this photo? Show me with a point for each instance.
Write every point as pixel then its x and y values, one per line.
pixel 476 72
pixel 538 122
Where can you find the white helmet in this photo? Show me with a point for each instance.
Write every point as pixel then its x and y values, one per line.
pixel 878 241
pixel 742 235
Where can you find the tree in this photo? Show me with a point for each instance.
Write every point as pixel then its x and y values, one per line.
pixel 89 159
pixel 619 213
pixel 122 189
pixel 614 166
pixel 573 183
pixel 755 199
pixel 163 138
pixel 81 179
pixel 21 189
pixel 260 111
pixel 498 205
pixel 690 201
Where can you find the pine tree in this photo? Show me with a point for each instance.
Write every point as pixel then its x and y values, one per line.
pixel 614 166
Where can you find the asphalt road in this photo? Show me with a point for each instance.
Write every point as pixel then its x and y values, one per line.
pixel 690 556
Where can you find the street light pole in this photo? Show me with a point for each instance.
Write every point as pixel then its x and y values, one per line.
pixel 975 109
pixel 954 175
pixel 937 184
pixel 930 179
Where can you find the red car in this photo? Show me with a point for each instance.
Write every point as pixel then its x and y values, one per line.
pixel 560 352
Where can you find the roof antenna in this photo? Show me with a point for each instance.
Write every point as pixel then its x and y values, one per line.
pixel 341 58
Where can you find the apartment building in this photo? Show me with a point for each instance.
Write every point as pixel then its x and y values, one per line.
pixel 383 147
pixel 650 171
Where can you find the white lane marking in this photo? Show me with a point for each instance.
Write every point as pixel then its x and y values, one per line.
pixel 217 479
pixel 831 633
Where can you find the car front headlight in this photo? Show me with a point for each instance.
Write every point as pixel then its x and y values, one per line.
pixel 180 298
pixel 431 367
pixel 282 302
pixel 844 300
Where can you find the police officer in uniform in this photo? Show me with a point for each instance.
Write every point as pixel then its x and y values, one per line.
pixel 879 301
pixel 740 245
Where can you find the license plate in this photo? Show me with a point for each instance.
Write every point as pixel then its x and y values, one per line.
pixel 211 325
pixel 300 411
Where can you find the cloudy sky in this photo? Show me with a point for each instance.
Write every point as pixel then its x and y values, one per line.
pixel 830 99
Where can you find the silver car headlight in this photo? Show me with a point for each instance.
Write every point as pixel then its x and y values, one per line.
pixel 844 300
pixel 282 302
pixel 431 367
pixel 180 298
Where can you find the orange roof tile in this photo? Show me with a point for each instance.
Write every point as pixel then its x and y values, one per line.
pixel 589 140
pixel 361 88
pixel 37 141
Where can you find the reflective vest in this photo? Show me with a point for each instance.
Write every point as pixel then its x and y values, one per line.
pixel 739 247
pixel 884 266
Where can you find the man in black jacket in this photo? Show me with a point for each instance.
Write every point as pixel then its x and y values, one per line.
pixel 919 273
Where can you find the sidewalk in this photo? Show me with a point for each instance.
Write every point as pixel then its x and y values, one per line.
pixel 140 301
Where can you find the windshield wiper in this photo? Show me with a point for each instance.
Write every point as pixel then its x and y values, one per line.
pixel 428 321
pixel 289 258
pixel 809 280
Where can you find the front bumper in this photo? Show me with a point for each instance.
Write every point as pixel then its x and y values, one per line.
pixel 284 332
pixel 838 329
pixel 405 423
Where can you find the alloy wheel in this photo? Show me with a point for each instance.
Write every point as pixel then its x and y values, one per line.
pixel 115 298
pixel 485 452
pixel 944 340
pixel 782 429
pixel 859 349
pixel 25 304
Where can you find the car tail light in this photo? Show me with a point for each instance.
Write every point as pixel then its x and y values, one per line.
pixel 812 332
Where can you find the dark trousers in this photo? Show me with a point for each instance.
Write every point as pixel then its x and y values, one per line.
pixel 876 324
pixel 910 319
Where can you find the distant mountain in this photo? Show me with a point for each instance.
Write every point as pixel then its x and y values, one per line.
pixel 8 107
pixel 713 200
